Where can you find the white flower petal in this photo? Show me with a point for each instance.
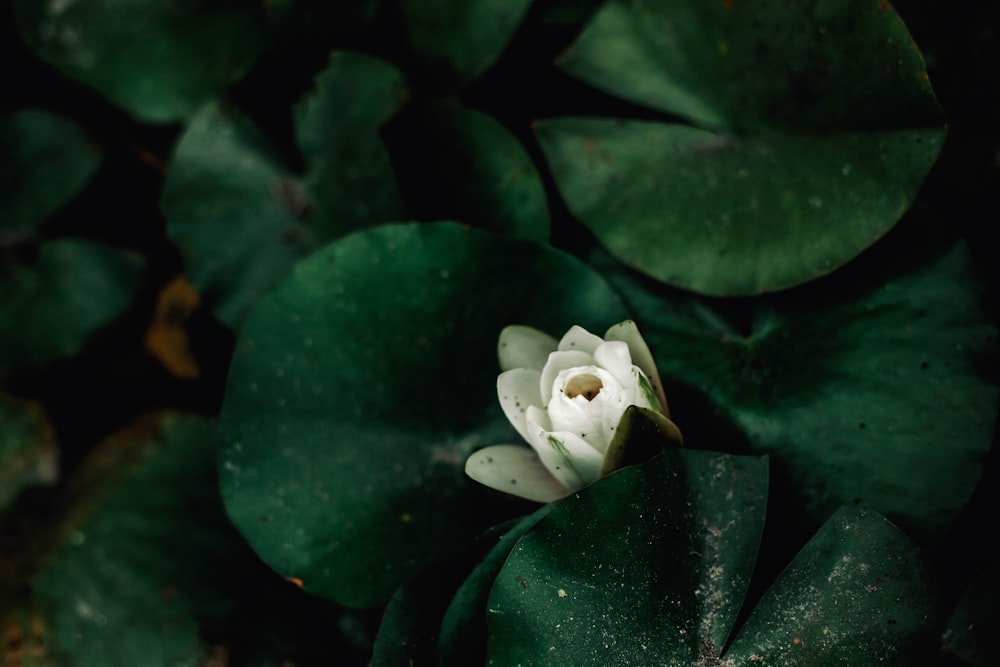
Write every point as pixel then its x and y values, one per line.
pixel 516 470
pixel 568 457
pixel 628 332
pixel 521 346
pixel 578 338
pixel 614 357
pixel 539 417
pixel 568 415
pixel 560 361
pixel 517 389
pixel 578 414
pixel 609 412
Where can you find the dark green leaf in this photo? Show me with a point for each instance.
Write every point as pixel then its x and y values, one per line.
pixel 640 435
pixel 239 214
pixel 857 594
pixel 814 125
pixel 835 66
pixel 463 629
pixel 873 385
pixel 462 38
pixel 54 303
pixel 46 160
pixel 143 567
pixel 361 384
pixel 159 60
pixel 411 622
pixel 647 566
pixel 350 181
pixel 233 209
pixel 721 214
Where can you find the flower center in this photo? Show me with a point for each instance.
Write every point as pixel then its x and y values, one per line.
pixel 585 385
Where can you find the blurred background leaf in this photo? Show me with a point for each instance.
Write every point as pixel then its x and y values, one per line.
pixel 57 299
pixel 460 39
pixel 28 451
pixel 226 176
pixel 46 161
pixel 159 59
pixel 137 564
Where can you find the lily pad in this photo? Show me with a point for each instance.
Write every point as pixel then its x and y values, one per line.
pixel 462 639
pixel 859 593
pixel 159 60
pixel 461 38
pixel 411 619
pixel 46 160
pixel 145 567
pixel 456 163
pixel 439 617
pixel 871 385
pixel 28 452
pixel 812 126
pixel 242 216
pixel 690 522
pixel 350 179
pixel 54 302
pixel 362 383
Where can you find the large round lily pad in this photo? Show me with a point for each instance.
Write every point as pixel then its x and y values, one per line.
pixel 361 384
pixel 810 128
pixel 872 385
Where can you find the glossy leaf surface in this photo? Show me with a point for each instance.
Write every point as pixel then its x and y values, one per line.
pixel 858 593
pixel 362 383
pixel 874 385
pixel 647 566
pixel 689 522
pixel 811 128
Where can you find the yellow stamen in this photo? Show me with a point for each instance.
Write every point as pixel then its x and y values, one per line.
pixel 585 384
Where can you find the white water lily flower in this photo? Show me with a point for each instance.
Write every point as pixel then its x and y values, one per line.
pixel 565 398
